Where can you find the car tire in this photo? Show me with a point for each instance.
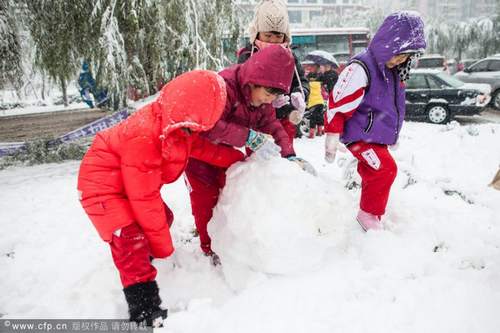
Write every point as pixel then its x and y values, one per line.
pixel 438 114
pixel 495 99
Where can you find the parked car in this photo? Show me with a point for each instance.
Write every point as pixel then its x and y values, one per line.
pixel 465 63
pixel 485 71
pixel 433 61
pixel 437 97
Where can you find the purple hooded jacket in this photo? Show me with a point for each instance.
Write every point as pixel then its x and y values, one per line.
pixel 380 115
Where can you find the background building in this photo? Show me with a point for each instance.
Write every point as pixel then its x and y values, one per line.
pixel 317 13
pixel 447 10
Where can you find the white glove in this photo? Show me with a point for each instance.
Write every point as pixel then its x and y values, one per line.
pixel 298 102
pixel 295 117
pixel 332 144
pixel 280 101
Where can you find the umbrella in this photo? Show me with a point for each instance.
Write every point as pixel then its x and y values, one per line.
pixel 308 62
pixel 321 57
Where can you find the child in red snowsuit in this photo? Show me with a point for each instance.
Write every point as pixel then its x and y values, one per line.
pixel 123 171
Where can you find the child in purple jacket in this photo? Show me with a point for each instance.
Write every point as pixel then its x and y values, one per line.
pixel 367 109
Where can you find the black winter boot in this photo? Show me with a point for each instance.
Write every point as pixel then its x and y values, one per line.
pixel 144 304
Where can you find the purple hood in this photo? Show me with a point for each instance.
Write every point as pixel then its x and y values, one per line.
pixel 401 32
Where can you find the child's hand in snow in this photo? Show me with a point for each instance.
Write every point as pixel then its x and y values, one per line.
pixel 306 166
pixel 263 145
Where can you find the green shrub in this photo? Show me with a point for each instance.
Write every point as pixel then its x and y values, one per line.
pixel 45 151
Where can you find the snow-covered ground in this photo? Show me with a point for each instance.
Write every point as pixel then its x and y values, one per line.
pixel 34 104
pixel 293 258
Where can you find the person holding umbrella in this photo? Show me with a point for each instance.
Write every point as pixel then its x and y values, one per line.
pixel 315 102
pixel 327 64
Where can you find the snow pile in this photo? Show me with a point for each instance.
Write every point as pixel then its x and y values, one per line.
pixel 276 226
pixel 435 268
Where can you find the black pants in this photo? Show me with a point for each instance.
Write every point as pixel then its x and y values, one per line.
pixel 316 116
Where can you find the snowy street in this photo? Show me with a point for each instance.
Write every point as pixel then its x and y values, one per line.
pixel 293 257
pixel 489 115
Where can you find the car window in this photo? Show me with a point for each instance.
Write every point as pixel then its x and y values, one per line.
pixel 467 63
pixel 417 81
pixel 494 66
pixel 480 66
pixel 430 62
pixel 433 83
pixel 445 79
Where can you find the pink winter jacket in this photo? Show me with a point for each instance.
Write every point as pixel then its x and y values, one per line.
pixel 270 67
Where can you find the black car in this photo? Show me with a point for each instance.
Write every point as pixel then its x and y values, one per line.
pixel 437 97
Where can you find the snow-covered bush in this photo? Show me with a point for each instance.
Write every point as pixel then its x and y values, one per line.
pixel 45 151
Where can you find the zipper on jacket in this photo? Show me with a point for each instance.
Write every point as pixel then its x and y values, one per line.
pixel 370 122
pixel 396 77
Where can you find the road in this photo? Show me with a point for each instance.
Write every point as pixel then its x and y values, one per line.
pixel 53 124
pixel 489 116
pixel 48 124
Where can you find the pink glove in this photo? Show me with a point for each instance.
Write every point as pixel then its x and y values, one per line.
pixel 281 101
pixel 298 102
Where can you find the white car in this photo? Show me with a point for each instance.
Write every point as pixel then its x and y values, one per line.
pixel 485 71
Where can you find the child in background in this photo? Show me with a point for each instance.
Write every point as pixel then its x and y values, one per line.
pixel 315 102
pixel 270 26
pixel 124 169
pixel 367 109
pixel 328 76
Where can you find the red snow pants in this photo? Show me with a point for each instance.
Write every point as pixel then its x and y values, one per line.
pixel 378 170
pixel 290 128
pixel 131 254
pixel 204 195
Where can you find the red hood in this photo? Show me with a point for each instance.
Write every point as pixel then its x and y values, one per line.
pixel 270 67
pixel 194 99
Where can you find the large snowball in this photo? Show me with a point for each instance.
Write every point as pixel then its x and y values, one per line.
pixel 273 218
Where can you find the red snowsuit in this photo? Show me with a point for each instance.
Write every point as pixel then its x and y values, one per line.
pixel 271 67
pixel 123 171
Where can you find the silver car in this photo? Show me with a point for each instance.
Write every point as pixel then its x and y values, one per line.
pixel 485 71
